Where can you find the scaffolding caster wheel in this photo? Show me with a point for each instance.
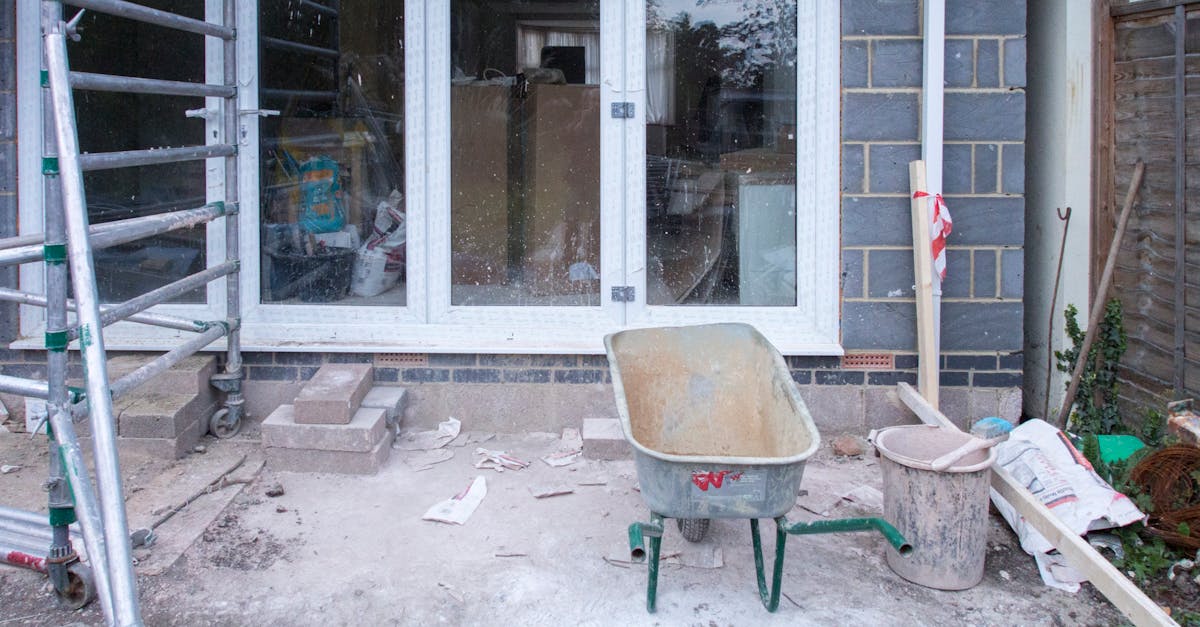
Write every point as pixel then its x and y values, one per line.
pixel 81 587
pixel 222 425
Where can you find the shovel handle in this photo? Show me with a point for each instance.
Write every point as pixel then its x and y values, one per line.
pixel 974 444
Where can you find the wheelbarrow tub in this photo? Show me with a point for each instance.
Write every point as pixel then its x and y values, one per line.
pixel 717 426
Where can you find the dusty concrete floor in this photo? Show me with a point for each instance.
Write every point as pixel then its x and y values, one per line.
pixel 336 550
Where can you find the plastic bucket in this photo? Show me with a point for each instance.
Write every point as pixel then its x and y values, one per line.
pixel 944 515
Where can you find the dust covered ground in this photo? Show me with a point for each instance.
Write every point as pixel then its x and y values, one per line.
pixel 338 550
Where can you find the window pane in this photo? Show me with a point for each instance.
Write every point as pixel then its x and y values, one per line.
pixel 111 122
pixel 332 177
pixel 721 152
pixel 525 153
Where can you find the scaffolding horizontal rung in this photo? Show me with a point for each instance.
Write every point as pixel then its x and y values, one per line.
pixel 27 248
pixel 301 94
pixel 118 312
pixel 145 14
pixel 136 85
pixel 152 156
pixel 293 46
pixel 319 8
pixel 158 320
pixel 24 387
pixel 152 369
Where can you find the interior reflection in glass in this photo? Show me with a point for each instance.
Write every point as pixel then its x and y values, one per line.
pixel 721 152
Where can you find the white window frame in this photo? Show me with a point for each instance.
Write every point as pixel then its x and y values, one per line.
pixel 429 323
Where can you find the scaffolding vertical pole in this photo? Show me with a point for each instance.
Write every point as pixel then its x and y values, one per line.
pixel 67 469
pixel 234 400
pixel 91 340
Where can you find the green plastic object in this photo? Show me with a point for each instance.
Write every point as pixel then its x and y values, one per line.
pixel 1115 448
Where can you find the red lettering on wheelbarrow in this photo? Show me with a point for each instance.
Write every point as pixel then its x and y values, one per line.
pixel 715 479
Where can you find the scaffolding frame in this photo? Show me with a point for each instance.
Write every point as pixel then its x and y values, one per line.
pixel 46 543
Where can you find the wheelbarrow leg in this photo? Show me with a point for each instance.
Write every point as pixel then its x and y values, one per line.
pixel 770 598
pixel 638 534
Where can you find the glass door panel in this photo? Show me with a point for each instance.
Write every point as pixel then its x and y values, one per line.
pixel 333 212
pixel 721 153
pixel 525 153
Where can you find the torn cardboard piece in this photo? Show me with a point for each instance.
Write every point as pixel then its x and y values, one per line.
pixel 547 490
pixel 446 432
pixel 498 460
pixel 457 509
pixel 568 451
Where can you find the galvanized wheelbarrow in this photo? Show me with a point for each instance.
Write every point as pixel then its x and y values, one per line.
pixel 718 431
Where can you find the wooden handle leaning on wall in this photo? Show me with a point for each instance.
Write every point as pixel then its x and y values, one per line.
pixel 927 357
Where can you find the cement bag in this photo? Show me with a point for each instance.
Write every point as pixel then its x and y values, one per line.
pixel 1041 458
pixel 380 260
pixel 320 196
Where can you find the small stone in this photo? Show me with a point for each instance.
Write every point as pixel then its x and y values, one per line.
pixel 140 555
pixel 281 509
pixel 847 446
pixel 8 469
pixel 275 490
pixel 1005 576
pixel 199 448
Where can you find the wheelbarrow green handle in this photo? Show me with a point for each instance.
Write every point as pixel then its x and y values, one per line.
pixel 638 531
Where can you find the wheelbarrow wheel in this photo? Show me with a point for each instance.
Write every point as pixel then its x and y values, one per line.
pixel 693 529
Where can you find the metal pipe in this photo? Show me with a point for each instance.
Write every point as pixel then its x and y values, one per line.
pixel 294 46
pixel 165 293
pixel 233 296
pixel 141 13
pixel 137 85
pixel 40 529
pixel 12 551
pixel 26 248
pixel 319 8
pixel 132 380
pixel 889 532
pixel 83 273
pixel 24 387
pixel 151 156
pixel 155 319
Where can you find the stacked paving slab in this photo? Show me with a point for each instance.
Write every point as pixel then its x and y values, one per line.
pixel 166 416
pixel 338 423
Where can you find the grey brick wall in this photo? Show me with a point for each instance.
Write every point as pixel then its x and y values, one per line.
pixel 983 180
pixel 8 155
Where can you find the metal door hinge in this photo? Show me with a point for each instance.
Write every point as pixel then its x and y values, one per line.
pixel 622 109
pixel 623 293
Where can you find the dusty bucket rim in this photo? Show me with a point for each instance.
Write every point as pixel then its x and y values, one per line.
pixel 878 436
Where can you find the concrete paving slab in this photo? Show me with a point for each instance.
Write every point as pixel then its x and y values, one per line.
pixel 333 394
pixel 603 439
pixel 364 432
pixel 337 462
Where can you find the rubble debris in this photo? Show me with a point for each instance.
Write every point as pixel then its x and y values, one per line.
pixel 847 446
pixel 7 469
pixel 275 490
pixel 563 458
pixel 501 554
pixel 546 491
pixel 457 509
pixel 866 496
pixel 279 509
pixel 199 448
pixel 446 432
pixel 424 460
pixel 595 481
pixel 1182 422
pixel 498 460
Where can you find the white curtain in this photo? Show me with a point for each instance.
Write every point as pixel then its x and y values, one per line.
pixel 660 61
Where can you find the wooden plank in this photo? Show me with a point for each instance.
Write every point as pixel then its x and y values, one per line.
pixel 927 360
pixel 1119 591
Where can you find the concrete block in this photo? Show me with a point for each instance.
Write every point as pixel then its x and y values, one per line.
pixel 891 274
pixel 882 325
pixel 1010 403
pixel 852 273
pixel 390 399
pixel 889 167
pixel 987 63
pixel 153 414
pixel 987 168
pixel 875 221
pixel 162 448
pixel 984 402
pixel 263 397
pixel 333 394
pixel 985 116
pixel 987 221
pixel 364 431
pixel 883 408
pixel 985 17
pixel 334 462
pixel 835 409
pixel 955 404
pixel 190 375
pixel 880 17
pixel 956 169
pixel 853 169
pixel 897 63
pixel 958 274
pixel 1012 273
pixel 960 62
pixel 1012 178
pixel 1014 62
pixel 985 273
pixel 854 63
pixel 603 439
pixel 882 117
pixel 981 326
